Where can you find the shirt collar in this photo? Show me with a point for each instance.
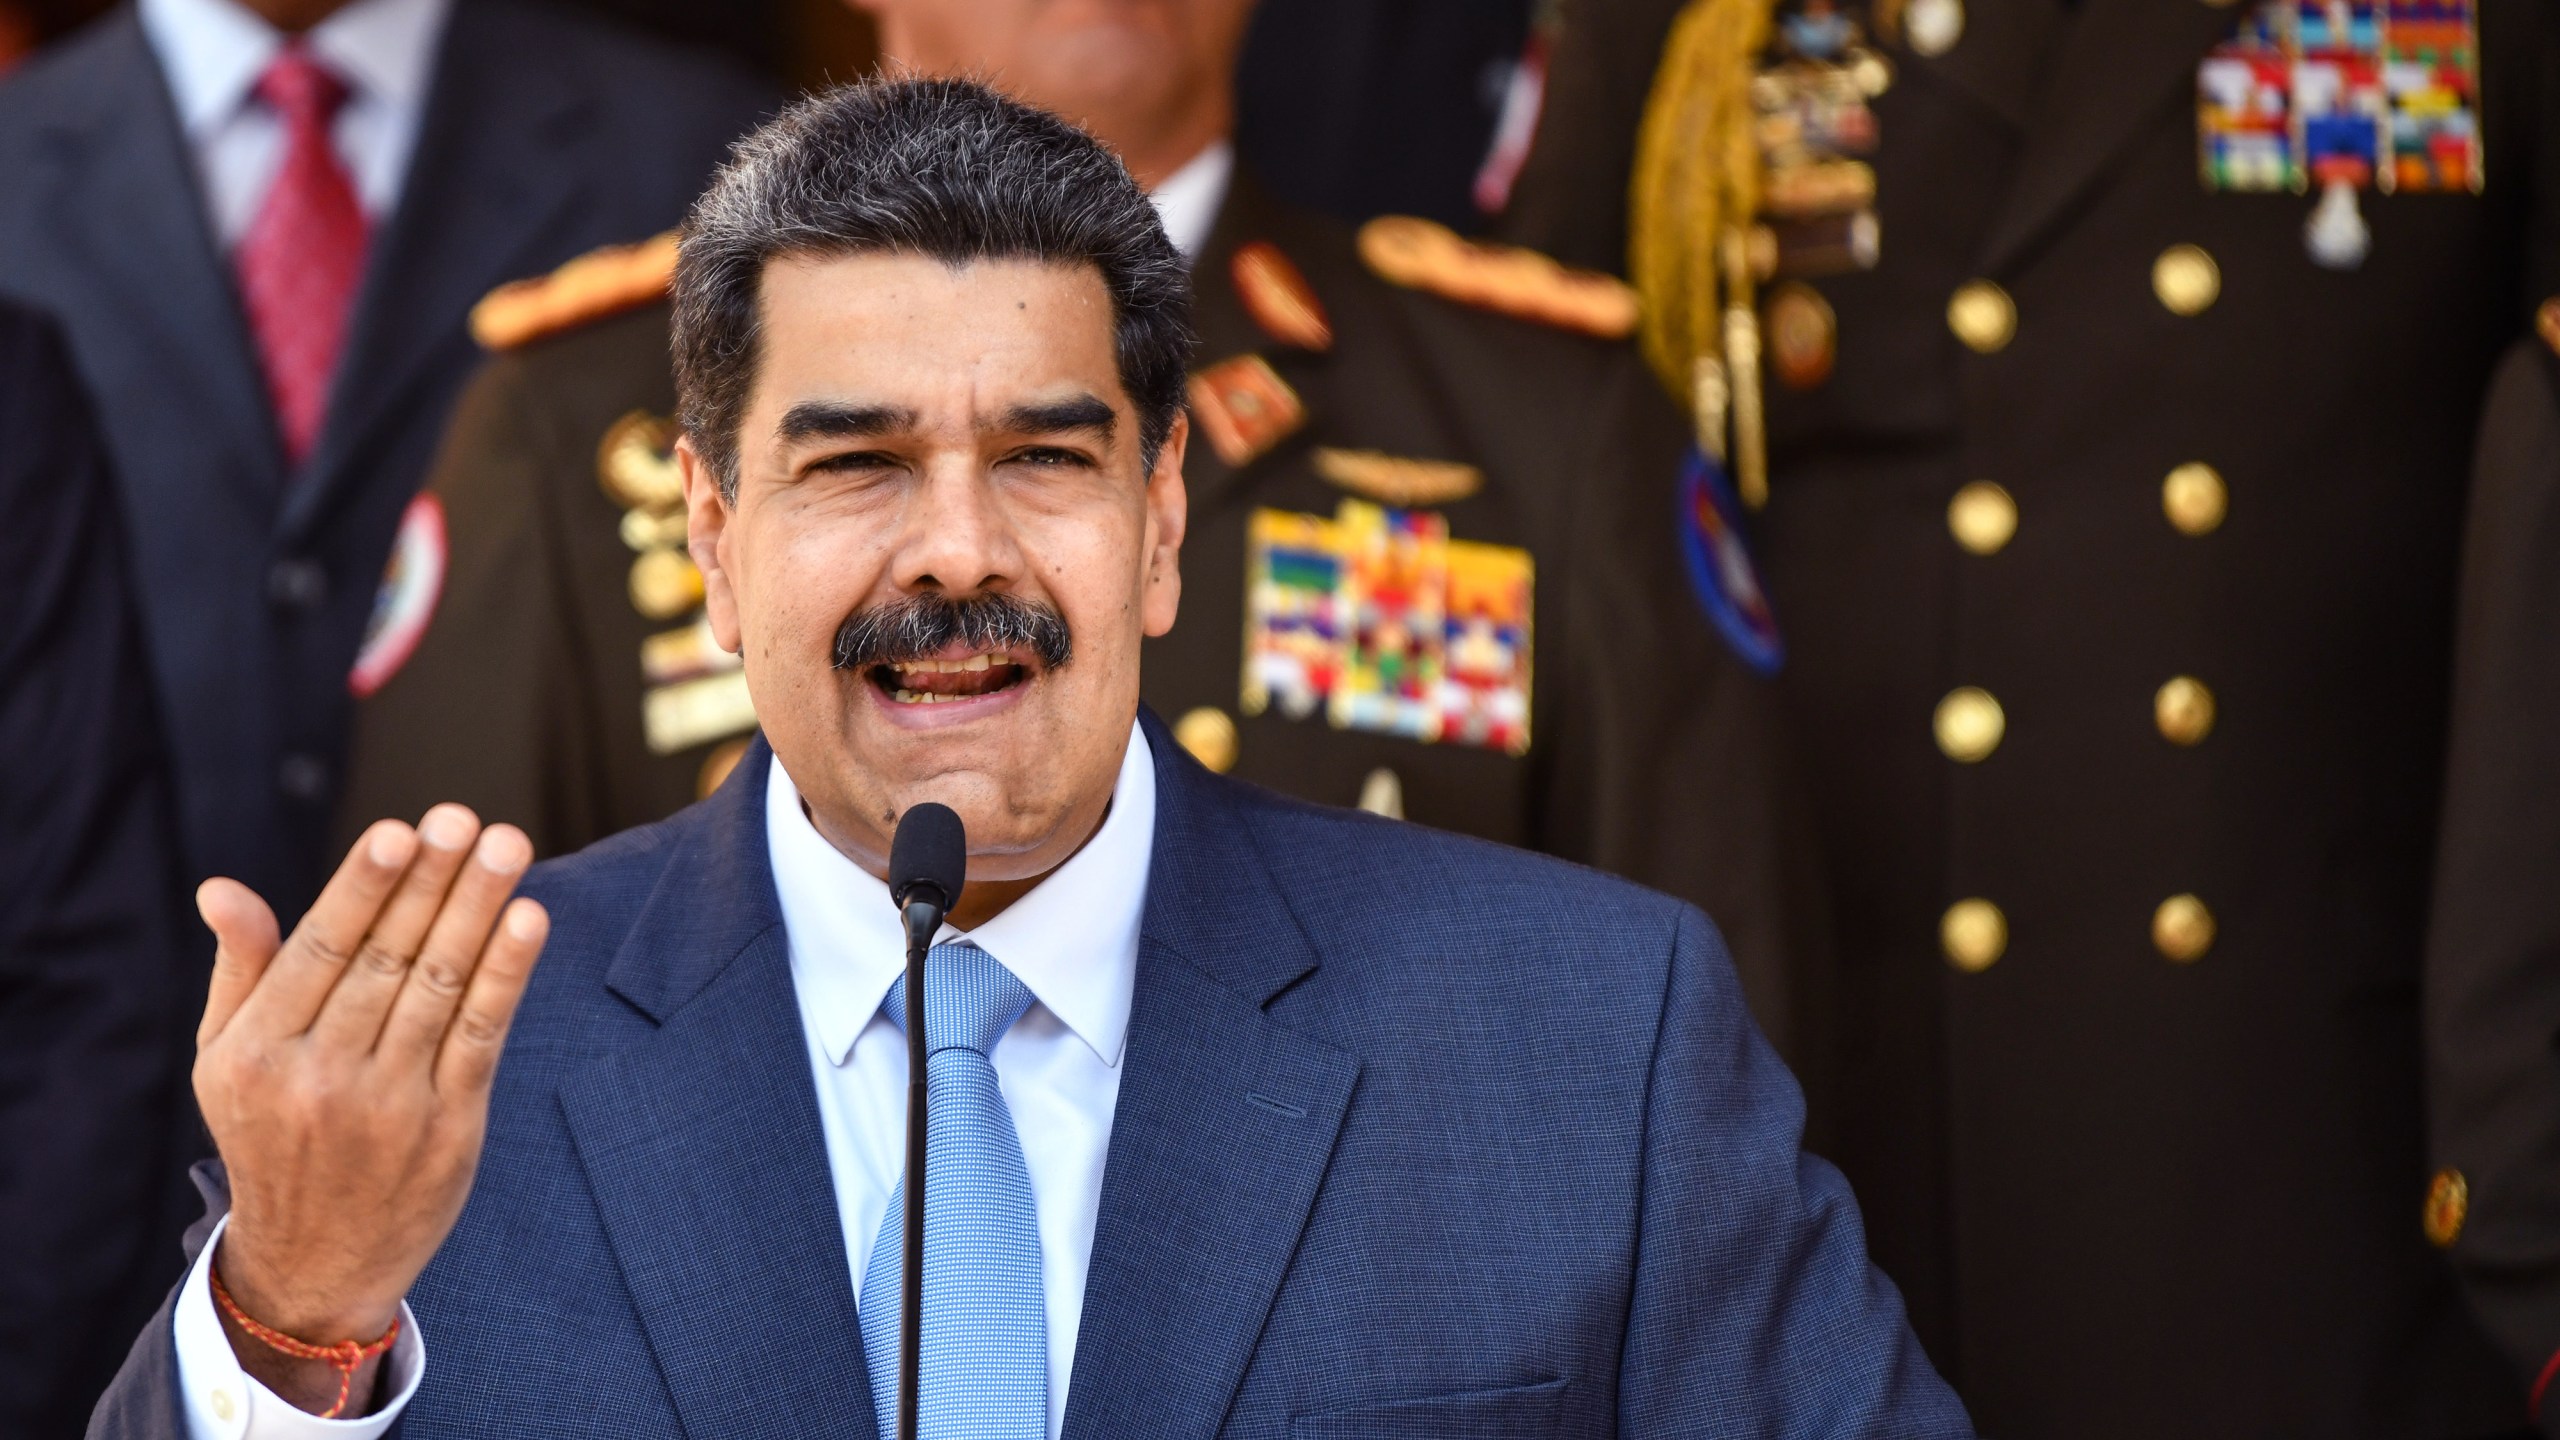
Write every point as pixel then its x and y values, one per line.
pixel 214 50
pixel 1187 200
pixel 1073 940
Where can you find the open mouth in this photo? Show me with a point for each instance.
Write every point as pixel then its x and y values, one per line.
pixel 940 681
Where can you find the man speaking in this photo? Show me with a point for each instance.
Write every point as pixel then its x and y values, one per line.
pixel 1250 1118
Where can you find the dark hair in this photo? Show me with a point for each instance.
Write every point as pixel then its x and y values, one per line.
pixel 943 168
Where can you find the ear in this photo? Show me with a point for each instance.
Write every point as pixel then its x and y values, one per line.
pixel 706 518
pixel 1168 513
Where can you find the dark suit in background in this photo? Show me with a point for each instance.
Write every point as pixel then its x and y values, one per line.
pixel 2493 951
pixel 544 135
pixel 96 993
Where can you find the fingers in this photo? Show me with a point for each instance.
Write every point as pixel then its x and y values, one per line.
pixel 453 947
pixel 470 1056
pixel 288 996
pixel 353 1013
pixel 245 940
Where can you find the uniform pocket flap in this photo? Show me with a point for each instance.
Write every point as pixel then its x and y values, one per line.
pixel 1519 1412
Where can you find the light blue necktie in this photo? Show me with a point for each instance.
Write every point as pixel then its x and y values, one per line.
pixel 986 1347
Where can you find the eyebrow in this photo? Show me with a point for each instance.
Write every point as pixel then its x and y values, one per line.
pixel 834 420
pixel 1082 412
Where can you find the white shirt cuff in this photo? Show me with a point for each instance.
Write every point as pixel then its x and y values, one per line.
pixel 224 1403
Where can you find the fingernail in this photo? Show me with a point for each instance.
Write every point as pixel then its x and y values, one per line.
pixel 524 921
pixel 389 845
pixel 445 829
pixel 504 850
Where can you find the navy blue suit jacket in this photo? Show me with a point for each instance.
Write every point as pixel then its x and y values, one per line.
pixel 545 134
pixel 1417 1136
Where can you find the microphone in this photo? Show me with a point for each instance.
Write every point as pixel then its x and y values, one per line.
pixel 928 863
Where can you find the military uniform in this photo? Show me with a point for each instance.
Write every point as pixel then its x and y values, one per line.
pixel 1525 663
pixel 2492 993
pixel 2112 539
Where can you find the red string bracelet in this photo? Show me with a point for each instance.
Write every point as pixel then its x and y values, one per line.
pixel 344 1356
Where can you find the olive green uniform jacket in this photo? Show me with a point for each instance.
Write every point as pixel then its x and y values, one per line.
pixel 1653 752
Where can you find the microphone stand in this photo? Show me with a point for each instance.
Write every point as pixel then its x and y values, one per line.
pixel 923 918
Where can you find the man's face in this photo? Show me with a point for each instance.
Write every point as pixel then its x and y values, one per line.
pixel 921 434
pixel 1088 60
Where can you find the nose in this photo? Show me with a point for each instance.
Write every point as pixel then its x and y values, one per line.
pixel 958 538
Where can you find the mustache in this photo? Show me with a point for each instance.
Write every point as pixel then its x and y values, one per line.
pixel 924 625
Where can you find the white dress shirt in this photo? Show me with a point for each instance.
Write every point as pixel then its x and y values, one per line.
pixel 1188 199
pixel 1073 941
pixel 213 52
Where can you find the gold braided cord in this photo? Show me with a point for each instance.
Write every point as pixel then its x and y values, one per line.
pixel 1697 178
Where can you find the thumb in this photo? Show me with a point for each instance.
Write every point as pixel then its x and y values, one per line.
pixel 245 939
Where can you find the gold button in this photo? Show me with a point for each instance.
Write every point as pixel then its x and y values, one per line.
pixel 1982 517
pixel 1383 793
pixel 1974 934
pixel 2448 1205
pixel 2194 498
pixel 1969 724
pixel 2186 279
pixel 1210 737
pixel 1982 315
pixel 2182 928
pixel 223 1408
pixel 2184 711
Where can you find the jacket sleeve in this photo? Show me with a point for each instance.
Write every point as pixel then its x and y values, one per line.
pixel 2493 949
pixel 1755 1311
pixel 143 1403
pixel 97 987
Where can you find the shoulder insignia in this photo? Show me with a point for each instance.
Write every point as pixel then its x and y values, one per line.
pixel 1424 255
pixel 1396 480
pixel 2546 322
pixel 1279 298
pixel 597 284
pixel 1244 408
pixel 411 584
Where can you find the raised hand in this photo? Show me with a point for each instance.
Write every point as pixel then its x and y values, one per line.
pixel 345 1076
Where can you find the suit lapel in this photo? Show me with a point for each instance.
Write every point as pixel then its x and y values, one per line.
pixel 2116 69
pixel 1226 1122
pixel 494 184
pixel 701 1144
pixel 126 200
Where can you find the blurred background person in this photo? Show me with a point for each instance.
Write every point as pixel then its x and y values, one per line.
pixel 2493 940
pixel 2117 428
pixel 94 997
pixel 1462 435
pixel 260 225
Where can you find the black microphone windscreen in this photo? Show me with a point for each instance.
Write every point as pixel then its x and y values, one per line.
pixel 929 849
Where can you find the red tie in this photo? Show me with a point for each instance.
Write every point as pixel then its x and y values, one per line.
pixel 304 253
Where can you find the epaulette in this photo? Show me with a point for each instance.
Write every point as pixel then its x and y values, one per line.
pixel 1425 255
pixel 599 283
pixel 2546 322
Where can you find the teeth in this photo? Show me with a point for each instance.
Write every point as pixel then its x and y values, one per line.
pixel 951 667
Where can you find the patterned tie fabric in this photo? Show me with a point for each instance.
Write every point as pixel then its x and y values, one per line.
pixel 303 255
pixel 986 1351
